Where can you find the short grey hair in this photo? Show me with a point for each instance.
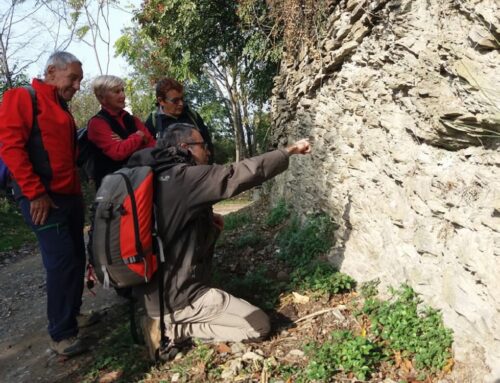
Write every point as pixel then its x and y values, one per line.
pixel 60 60
pixel 175 135
pixel 103 83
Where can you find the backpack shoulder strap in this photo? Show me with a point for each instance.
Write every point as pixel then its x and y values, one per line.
pixel 157 122
pixel 154 116
pixel 39 157
pixel 34 104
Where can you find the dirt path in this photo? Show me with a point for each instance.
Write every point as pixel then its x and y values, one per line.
pixel 24 352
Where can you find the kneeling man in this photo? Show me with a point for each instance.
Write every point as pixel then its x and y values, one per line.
pixel 186 189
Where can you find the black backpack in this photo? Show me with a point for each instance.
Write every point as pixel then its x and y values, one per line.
pixel 87 154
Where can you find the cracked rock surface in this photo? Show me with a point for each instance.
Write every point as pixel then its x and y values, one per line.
pixel 402 100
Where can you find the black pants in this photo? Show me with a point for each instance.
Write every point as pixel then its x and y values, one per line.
pixel 63 253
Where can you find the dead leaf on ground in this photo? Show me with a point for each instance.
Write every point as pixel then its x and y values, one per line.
pixel 407 366
pixel 398 359
pixel 223 348
pixel 111 376
pixel 449 365
pixel 201 367
pixel 300 299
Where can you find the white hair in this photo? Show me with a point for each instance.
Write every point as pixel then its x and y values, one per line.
pixel 103 83
pixel 60 60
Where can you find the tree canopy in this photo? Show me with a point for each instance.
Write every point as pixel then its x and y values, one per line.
pixel 206 40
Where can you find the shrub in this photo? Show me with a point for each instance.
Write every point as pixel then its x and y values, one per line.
pixel 236 220
pixel 248 239
pixel 278 214
pixel 299 245
pixel 254 287
pixel 15 232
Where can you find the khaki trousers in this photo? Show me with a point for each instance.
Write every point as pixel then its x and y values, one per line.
pixel 215 316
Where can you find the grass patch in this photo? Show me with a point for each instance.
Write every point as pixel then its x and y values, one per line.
pixel 15 232
pixel 235 221
pixel 198 365
pixel 300 244
pixel 248 239
pixel 278 214
pixel 117 353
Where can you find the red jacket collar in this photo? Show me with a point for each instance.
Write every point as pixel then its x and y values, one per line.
pixel 47 89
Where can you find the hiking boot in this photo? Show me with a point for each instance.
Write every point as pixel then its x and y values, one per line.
pixel 172 350
pixel 68 347
pixel 87 320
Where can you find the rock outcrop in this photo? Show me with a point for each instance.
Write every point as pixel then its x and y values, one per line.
pixel 402 100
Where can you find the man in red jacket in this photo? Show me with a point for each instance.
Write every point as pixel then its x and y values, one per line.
pixel 42 161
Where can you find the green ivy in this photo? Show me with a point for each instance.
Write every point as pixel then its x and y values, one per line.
pixel 417 333
pixel 342 352
pixel 369 289
pixel 322 278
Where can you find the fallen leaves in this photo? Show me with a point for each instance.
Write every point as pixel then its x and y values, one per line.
pixel 110 377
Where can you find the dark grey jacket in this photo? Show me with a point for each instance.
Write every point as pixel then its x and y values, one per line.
pixel 185 193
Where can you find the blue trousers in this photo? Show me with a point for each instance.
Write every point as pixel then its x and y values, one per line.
pixel 63 253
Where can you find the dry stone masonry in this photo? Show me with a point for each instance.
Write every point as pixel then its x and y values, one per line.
pixel 402 100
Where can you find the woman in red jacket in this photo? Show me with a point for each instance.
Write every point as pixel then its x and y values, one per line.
pixel 113 130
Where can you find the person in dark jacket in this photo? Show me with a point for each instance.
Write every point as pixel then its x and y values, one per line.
pixel 113 130
pixel 186 190
pixel 171 109
pixel 47 187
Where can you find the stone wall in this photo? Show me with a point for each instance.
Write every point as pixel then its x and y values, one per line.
pixel 402 101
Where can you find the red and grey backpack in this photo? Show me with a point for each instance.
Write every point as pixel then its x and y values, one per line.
pixel 123 227
pixel 125 249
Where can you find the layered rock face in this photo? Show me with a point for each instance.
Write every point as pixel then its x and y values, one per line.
pixel 402 101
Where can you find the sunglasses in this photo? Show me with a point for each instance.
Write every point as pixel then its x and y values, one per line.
pixel 176 100
pixel 203 143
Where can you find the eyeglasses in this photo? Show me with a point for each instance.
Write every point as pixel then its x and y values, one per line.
pixel 203 143
pixel 176 100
